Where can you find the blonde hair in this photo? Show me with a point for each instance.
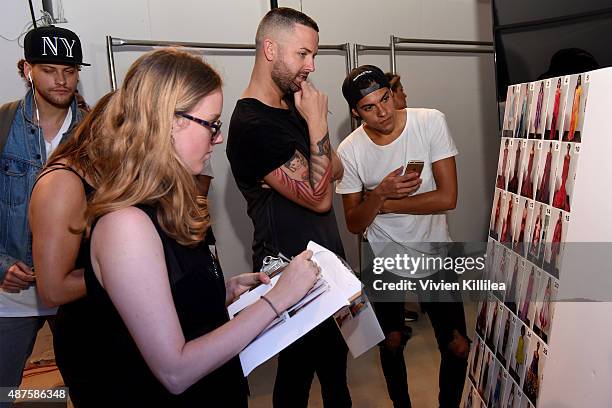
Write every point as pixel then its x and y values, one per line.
pixel 132 154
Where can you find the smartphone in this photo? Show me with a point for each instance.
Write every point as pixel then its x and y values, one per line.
pixel 413 165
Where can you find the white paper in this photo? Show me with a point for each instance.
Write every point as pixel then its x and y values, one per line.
pixel 359 326
pixel 338 286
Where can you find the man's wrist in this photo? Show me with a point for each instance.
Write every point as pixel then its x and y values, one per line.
pixel 317 131
pixel 382 209
pixel 6 261
pixel 380 198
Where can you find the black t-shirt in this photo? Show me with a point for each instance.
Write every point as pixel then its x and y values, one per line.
pixel 262 138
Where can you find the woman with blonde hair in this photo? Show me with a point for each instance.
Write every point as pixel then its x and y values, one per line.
pixel 159 332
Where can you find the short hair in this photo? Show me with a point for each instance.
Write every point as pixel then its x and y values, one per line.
pixel 394 80
pixel 282 18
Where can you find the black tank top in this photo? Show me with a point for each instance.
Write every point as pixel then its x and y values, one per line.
pixel 72 318
pixel 114 371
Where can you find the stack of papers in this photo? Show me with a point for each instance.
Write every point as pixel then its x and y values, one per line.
pixel 337 290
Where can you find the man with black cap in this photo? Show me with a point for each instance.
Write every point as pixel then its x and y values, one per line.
pixel 399 178
pixel 30 129
pixel 279 151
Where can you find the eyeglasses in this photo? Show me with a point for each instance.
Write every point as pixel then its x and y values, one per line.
pixel 215 127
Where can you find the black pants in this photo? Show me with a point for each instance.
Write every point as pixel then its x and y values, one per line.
pixel 446 313
pixel 445 317
pixel 322 351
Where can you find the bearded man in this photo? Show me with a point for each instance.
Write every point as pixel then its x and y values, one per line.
pixel 30 129
pixel 280 154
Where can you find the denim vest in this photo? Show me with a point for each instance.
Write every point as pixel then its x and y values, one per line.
pixel 22 159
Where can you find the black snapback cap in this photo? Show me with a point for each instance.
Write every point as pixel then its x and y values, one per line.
pixel 361 82
pixel 53 45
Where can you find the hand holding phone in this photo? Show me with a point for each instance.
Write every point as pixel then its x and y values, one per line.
pixel 413 166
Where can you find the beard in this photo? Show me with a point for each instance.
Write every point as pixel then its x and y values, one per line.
pixel 284 78
pixel 61 101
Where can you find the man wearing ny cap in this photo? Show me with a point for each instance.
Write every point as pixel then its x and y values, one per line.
pixel 403 214
pixel 30 129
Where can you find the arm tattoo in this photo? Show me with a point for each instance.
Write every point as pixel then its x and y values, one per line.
pixel 296 176
pixel 298 188
pixel 320 164
pixel 298 167
pixel 324 146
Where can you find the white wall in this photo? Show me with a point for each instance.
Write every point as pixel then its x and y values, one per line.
pixel 461 86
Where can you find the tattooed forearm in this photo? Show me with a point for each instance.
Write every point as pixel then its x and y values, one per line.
pixel 297 167
pixel 300 189
pixel 320 163
pixel 324 147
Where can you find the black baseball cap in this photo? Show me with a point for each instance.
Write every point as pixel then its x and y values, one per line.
pixel 361 82
pixel 52 45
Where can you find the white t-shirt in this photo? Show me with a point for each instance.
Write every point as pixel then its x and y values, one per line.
pixel 52 145
pixel 425 137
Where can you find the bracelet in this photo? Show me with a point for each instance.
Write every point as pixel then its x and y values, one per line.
pixel 271 305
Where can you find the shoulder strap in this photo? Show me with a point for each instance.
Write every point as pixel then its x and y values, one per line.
pixel 54 167
pixel 7 113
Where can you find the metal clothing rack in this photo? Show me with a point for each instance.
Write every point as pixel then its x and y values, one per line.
pixel 459 47
pixel 114 42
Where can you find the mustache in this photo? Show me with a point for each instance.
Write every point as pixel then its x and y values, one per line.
pixel 304 74
pixel 60 88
